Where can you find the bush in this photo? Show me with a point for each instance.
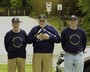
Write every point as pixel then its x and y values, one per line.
pixel 84 5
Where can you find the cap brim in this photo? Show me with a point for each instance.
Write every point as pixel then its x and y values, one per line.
pixel 41 19
pixel 17 22
pixel 73 18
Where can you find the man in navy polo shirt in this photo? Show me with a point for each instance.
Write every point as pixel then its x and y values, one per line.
pixel 74 44
pixel 15 45
pixel 43 37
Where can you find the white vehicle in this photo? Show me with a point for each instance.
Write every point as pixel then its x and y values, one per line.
pixel 60 61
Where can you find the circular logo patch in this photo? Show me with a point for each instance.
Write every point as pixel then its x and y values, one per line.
pixel 17 42
pixel 74 39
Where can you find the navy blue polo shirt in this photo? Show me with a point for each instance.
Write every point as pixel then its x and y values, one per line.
pixel 44 46
pixel 15 44
pixel 73 40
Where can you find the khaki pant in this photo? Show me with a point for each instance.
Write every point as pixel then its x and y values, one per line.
pixel 42 62
pixel 16 63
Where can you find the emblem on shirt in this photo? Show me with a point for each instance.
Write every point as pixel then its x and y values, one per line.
pixel 74 39
pixel 17 42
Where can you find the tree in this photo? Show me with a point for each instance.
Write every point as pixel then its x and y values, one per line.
pixel 24 2
pixel 85 7
pixel 0 0
pixel 39 6
pixel 4 3
pixel 15 3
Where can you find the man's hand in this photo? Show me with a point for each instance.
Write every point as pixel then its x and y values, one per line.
pixel 45 36
pixel 40 36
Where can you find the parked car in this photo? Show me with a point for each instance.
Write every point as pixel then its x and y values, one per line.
pixel 60 62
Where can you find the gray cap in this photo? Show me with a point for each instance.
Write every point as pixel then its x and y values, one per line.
pixel 15 20
pixel 42 17
pixel 73 17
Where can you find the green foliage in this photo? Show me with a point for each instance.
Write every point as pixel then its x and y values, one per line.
pixel 15 3
pixel 4 3
pixel 39 6
pixel 3 68
pixel 85 7
pixel 29 3
pixel 36 6
pixel 56 22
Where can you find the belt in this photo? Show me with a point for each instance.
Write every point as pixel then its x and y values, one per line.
pixel 75 53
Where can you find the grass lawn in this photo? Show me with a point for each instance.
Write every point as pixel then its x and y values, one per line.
pixel 3 68
pixel 88 43
pixel 56 23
